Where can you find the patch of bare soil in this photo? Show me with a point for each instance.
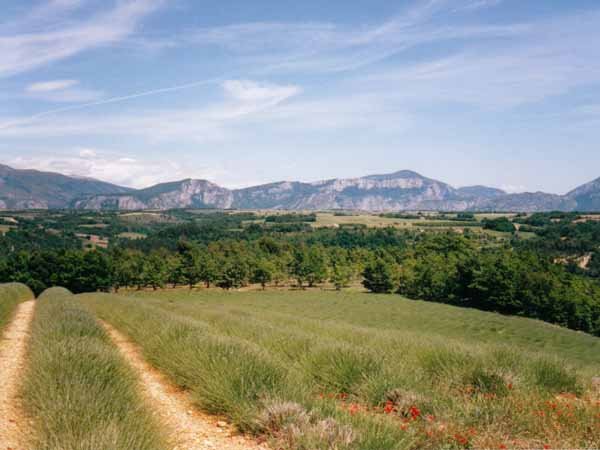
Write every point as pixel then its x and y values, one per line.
pixel 13 347
pixel 190 429
pixel 584 261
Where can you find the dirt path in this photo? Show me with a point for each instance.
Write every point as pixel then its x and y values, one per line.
pixel 189 428
pixel 12 361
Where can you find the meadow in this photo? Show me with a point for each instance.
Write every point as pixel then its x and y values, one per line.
pixel 349 370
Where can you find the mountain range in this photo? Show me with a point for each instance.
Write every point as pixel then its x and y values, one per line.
pixel 403 190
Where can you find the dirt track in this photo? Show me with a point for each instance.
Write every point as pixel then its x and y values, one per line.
pixel 189 428
pixel 12 361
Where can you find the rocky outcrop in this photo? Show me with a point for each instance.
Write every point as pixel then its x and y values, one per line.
pixel 404 190
pixel 183 194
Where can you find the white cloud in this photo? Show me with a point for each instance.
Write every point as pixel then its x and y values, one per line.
pixel 49 86
pixel 513 189
pixel 115 168
pixel 250 91
pixel 242 100
pixel 26 50
pixel 87 153
pixel 62 91
pixel 246 105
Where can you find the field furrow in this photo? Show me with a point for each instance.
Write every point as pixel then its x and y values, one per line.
pixel 78 391
pixel 13 425
pixel 189 429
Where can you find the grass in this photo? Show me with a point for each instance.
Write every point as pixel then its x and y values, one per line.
pixel 355 371
pixel 11 294
pixel 79 392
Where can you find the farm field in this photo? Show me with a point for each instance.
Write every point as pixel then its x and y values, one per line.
pixel 78 392
pixel 318 369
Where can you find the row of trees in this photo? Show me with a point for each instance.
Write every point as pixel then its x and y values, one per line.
pixel 226 264
pixel 451 269
pixel 441 267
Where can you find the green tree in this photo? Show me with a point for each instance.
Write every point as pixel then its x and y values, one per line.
pixel 234 274
pixel 380 276
pixel 192 264
pixel 263 272
pixel 156 269
pixel 208 268
pixel 342 271
pixel 125 266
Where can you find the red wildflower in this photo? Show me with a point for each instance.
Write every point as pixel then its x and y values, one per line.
pixel 354 408
pixel 462 440
pixel 389 408
pixel 415 412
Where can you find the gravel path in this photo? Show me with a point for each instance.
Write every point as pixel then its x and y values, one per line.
pixel 13 347
pixel 189 428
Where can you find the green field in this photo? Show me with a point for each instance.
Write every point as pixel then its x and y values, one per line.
pixel 317 369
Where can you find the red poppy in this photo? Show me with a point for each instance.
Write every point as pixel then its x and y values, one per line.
pixel 415 412
pixel 462 440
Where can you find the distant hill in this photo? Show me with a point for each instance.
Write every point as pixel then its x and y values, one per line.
pixel 403 190
pixel 587 197
pixel 32 189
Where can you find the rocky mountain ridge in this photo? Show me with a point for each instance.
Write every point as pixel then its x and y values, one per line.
pixel 403 190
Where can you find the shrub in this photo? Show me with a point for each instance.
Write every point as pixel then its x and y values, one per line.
pixel 485 381
pixel 341 368
pixel 555 377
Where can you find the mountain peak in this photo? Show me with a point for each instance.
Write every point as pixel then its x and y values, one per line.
pixel 587 196
pixel 400 174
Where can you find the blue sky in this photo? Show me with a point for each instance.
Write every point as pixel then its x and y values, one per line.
pixel 498 92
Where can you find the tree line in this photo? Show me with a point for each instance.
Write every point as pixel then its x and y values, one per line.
pixel 436 266
pixel 451 269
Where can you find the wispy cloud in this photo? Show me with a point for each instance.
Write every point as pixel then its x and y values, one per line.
pixel 26 50
pixel 115 167
pixel 541 65
pixel 49 86
pixel 328 47
pixel 241 99
pixel 62 91
pixel 244 107
pixel 478 4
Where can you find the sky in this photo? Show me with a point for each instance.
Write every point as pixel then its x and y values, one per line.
pixel 504 93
